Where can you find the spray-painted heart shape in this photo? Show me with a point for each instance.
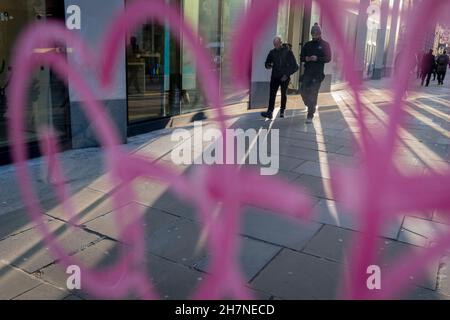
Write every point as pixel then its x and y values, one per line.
pixel 209 186
pixel 372 190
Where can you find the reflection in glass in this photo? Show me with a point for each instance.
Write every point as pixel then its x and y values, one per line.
pixel 145 73
pixel 153 73
pixel 215 22
pixel 48 102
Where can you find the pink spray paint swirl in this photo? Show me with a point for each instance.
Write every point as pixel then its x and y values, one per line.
pixel 364 191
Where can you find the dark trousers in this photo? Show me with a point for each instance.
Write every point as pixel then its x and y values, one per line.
pixel 426 75
pixel 441 76
pixel 310 93
pixel 276 83
pixel 133 75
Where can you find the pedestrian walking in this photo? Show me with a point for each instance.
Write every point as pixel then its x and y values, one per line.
pixel 419 56
pixel 442 63
pixel 283 64
pixel 315 54
pixel 428 65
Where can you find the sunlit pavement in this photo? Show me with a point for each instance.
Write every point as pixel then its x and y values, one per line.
pixel 281 259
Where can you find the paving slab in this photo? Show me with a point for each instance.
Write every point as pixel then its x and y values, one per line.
pixel 293 275
pixel 268 226
pixel 97 257
pixel 151 219
pixel 318 187
pixel 428 230
pixel 87 204
pixel 335 244
pixel 27 251
pixel 14 282
pixel 253 256
pixel 173 281
pixel 442 217
pixel 314 168
pixel 16 222
pixel 43 292
pixel 179 242
pixel 332 213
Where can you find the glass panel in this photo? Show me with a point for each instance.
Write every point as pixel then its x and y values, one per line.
pixel 232 10
pixel 283 19
pixel 371 49
pixel 153 72
pixel 205 18
pixel 47 98
pixel 215 22
pixel 161 74
pixel 145 72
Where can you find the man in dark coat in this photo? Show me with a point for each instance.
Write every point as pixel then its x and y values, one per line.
pixel 283 64
pixel 428 63
pixel 314 55
pixel 442 64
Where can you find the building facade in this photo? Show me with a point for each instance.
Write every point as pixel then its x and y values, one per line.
pixel 156 83
pixel 442 39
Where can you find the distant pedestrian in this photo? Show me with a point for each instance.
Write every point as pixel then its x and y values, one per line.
pixel 442 64
pixel 434 69
pixel 397 60
pixel 283 64
pixel 419 56
pixel 314 55
pixel 3 87
pixel 422 71
pixel 428 65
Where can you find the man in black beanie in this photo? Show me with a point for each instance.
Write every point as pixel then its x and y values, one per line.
pixel 314 55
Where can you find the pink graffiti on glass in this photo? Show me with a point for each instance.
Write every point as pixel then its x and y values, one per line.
pixel 373 188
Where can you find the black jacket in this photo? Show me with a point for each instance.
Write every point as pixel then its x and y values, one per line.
pixel 282 61
pixel 442 63
pixel 321 49
pixel 428 63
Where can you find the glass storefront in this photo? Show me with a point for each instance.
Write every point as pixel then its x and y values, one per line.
pixel 205 18
pixel 283 20
pixel 161 73
pixel 215 22
pixel 231 13
pixel 161 77
pixel 152 73
pixel 48 96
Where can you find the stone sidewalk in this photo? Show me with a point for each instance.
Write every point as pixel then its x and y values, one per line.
pixel 281 259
